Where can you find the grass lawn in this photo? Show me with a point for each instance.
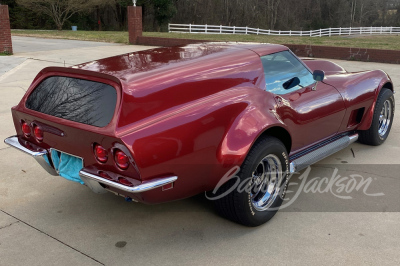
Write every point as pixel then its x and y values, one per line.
pixel 390 42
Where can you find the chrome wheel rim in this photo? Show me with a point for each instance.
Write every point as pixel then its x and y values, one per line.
pixel 385 118
pixel 266 182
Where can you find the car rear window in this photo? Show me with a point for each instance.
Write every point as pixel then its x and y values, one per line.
pixel 83 101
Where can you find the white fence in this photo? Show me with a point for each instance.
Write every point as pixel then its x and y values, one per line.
pixel 214 29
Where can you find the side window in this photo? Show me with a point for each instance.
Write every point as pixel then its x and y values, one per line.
pixel 282 68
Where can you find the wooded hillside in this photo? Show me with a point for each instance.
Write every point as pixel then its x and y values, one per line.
pixel 266 14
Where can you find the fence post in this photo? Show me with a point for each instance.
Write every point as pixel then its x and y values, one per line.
pixel 391 29
pixel 329 32
pixel 205 29
pixel 234 29
pixel 258 30
pixel 220 28
pixel 350 31
pixel 135 27
pixel 340 31
pixel 5 32
pixel 381 29
pixel 310 33
pixel 301 33
pixel 370 30
pixel 190 28
pixel 279 32
pixel 246 29
pixel 290 33
pixel 320 32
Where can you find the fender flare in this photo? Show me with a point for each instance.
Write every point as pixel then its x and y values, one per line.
pixel 239 139
pixel 369 114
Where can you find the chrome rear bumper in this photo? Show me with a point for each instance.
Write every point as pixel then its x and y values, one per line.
pixel 145 186
pixel 36 152
pixel 90 180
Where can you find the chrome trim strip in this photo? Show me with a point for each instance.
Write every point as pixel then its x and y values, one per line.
pixel 322 152
pixel 38 155
pixel 353 138
pixel 145 186
pixel 13 142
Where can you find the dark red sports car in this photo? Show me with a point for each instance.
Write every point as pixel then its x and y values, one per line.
pixel 169 123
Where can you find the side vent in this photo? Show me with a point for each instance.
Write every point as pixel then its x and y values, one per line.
pixel 356 117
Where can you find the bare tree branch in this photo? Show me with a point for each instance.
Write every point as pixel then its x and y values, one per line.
pixel 61 10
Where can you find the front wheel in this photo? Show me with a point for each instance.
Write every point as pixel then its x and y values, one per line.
pixel 381 121
pixel 257 191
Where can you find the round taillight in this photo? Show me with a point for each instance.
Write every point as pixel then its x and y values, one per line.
pixel 105 175
pixel 26 129
pixel 121 159
pixel 38 132
pixel 125 181
pixel 100 153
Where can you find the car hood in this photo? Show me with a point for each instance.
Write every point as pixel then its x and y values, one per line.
pixel 330 68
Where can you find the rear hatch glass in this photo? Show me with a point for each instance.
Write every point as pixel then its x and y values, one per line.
pixel 83 101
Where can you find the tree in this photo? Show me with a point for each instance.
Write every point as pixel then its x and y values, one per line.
pixel 164 10
pixel 397 17
pixel 263 14
pixel 273 7
pixel 59 10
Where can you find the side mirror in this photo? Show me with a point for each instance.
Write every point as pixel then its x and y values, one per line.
pixel 318 75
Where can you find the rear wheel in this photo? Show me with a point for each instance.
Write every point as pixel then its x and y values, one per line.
pixel 259 194
pixel 381 121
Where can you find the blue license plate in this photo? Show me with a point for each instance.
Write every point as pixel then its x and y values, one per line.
pixel 66 165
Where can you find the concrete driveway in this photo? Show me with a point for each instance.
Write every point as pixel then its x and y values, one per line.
pixel 31 44
pixel 50 221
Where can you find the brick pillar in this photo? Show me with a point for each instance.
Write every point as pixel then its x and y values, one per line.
pixel 5 31
pixel 134 23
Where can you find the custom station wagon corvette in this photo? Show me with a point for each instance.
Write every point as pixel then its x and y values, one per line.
pixel 168 123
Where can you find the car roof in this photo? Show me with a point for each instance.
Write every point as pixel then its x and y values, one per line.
pixel 127 67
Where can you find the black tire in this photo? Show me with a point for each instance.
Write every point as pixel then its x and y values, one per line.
pixel 237 206
pixel 372 136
